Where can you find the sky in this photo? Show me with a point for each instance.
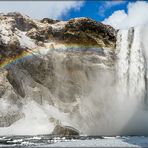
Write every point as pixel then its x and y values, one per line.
pixel 112 12
pixel 95 9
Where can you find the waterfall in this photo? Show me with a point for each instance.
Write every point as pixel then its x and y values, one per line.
pixel 131 67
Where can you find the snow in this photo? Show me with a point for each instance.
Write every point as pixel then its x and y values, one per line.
pixel 41 141
pixel 25 41
pixel 7 35
pixel 106 142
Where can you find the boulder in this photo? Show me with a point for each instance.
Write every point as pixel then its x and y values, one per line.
pixel 65 131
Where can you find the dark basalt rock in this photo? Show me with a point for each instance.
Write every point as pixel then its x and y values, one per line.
pixel 49 21
pixel 78 31
pixel 89 32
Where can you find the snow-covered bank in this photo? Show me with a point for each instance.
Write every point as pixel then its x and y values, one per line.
pixel 106 142
pixel 46 141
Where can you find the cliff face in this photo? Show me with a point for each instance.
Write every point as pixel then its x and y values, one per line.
pixel 56 63
pixel 17 32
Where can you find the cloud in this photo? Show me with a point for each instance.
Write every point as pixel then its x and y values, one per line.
pixel 136 15
pixel 38 9
pixel 109 4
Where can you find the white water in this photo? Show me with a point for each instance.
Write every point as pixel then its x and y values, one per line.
pixel 131 67
pixel 131 64
pixel 131 85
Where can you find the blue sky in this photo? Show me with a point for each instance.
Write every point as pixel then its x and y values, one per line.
pixel 97 10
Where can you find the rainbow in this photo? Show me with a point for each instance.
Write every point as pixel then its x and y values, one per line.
pixel 10 60
pixel 29 53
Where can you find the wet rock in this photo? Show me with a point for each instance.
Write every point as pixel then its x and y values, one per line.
pixel 66 131
pixel 9 118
